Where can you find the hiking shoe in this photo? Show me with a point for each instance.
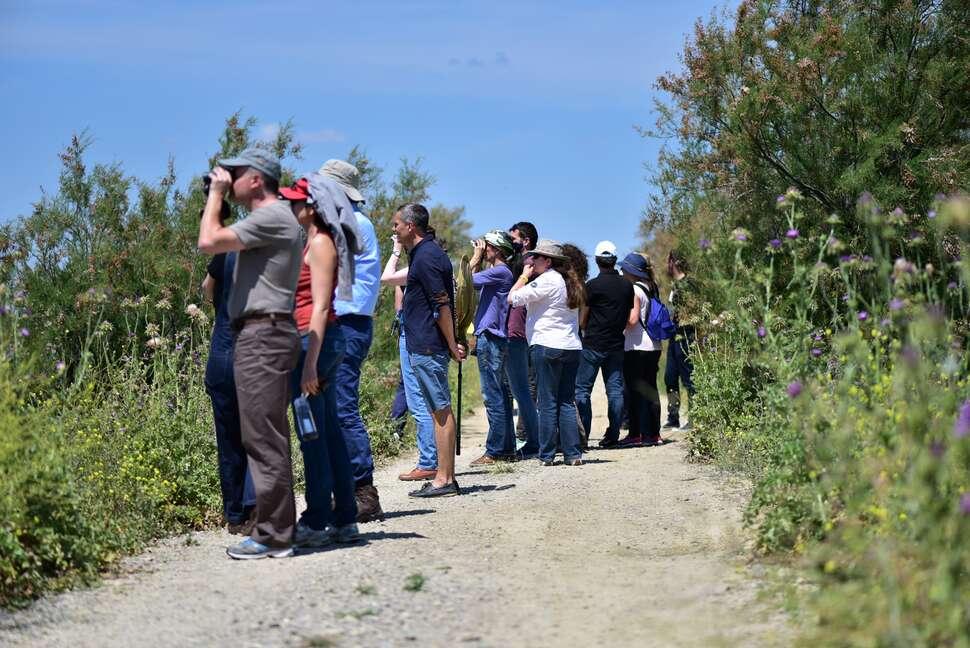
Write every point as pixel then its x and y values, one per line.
pixel 671 424
pixel 430 490
pixel 249 549
pixel 484 460
pixel 418 474
pixel 653 441
pixel 630 440
pixel 368 504
pixel 608 443
pixel 345 533
pixel 308 537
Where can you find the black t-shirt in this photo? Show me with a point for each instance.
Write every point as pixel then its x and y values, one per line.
pixel 609 298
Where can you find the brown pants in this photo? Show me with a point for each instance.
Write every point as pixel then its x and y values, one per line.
pixel 265 354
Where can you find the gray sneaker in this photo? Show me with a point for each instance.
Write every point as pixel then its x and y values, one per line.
pixel 307 537
pixel 345 533
pixel 249 549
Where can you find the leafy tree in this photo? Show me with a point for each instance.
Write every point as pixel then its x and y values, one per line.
pixel 832 97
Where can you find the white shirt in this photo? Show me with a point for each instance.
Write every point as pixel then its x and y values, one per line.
pixel 634 337
pixel 549 319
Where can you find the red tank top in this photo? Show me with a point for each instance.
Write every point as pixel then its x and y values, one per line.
pixel 304 294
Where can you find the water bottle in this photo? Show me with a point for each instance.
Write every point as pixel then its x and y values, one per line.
pixel 306 429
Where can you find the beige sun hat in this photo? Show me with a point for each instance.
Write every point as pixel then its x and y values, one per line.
pixel 346 175
pixel 548 248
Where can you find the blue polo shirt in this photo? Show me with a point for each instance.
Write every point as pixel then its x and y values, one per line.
pixel 430 286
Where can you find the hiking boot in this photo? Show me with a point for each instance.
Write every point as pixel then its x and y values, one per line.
pixel 608 443
pixel 430 490
pixel 368 504
pixel 630 440
pixel 418 474
pixel 308 537
pixel 345 533
pixel 249 549
pixel 484 460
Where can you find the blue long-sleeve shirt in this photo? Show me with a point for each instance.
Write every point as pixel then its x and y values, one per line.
pixel 367 279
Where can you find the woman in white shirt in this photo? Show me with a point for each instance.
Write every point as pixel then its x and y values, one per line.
pixel 641 356
pixel 553 294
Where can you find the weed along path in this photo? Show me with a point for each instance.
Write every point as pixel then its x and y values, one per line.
pixel 636 548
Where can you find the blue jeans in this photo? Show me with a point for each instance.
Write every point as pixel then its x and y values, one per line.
pixel 517 369
pixel 326 463
pixel 238 496
pixel 358 333
pixel 427 450
pixel 611 364
pixel 679 366
pixel 556 375
pixel 491 352
pixel 431 373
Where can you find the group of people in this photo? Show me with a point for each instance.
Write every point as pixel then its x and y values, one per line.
pixel 295 286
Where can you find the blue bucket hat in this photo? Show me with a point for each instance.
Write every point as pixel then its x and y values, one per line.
pixel 636 265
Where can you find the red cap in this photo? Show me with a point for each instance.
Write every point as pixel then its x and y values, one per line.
pixel 299 191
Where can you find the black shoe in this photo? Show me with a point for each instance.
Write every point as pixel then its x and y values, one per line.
pixel 430 490
pixel 546 463
pixel 671 425
pixel 608 443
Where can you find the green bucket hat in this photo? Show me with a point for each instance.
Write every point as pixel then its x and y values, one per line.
pixel 500 239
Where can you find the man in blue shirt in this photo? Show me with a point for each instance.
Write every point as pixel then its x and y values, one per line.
pixel 429 333
pixel 356 320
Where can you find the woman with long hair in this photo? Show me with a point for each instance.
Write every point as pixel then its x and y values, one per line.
pixel 554 295
pixel 331 510
pixel 641 356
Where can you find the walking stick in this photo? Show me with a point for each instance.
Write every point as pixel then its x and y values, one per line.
pixel 458 418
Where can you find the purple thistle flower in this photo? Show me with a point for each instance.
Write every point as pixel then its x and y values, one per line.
pixel 896 304
pixel 846 258
pixel 885 322
pixel 792 233
pixel 774 243
pixel 24 332
pixel 704 244
pixel 931 213
pixel 178 347
pixel 951 286
pixel 962 426
pixel 898 213
pixel 863 316
pixel 780 199
pixel 965 503
pixel 940 197
pixel 762 332
pixel 816 352
pixel 867 258
pixel 937 449
pixel 845 297
pixel 741 236
pixel 3 311
pixel 794 389
pixel 865 198
pixel 817 337
pixel 59 366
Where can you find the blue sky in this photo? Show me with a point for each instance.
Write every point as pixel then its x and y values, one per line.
pixel 522 110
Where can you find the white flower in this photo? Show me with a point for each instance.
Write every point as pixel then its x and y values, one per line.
pixel 193 311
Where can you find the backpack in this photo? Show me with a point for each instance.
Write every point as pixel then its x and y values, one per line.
pixel 657 322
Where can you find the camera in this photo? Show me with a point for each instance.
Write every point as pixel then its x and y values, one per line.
pixel 206 183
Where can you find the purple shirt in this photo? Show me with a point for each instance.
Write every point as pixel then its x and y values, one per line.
pixel 517 317
pixel 493 306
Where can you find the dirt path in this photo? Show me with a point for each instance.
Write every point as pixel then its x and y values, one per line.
pixel 636 548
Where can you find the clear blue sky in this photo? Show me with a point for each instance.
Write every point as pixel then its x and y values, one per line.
pixel 522 110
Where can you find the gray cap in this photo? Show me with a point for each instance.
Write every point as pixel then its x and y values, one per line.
pixel 346 175
pixel 257 158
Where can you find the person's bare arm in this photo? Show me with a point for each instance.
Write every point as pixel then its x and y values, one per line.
pixel 446 324
pixel 391 275
pixel 209 288
pixel 322 259
pixel 214 237
pixel 634 317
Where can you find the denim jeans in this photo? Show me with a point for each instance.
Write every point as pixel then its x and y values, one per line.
pixel 679 366
pixel 640 376
pixel 424 424
pixel 492 352
pixel 326 464
pixel 556 375
pixel 611 364
pixel 238 496
pixel 517 369
pixel 358 333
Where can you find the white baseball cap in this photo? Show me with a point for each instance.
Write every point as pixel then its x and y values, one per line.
pixel 605 249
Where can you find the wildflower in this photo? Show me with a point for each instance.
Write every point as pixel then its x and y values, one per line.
pixel 845 297
pixel 794 389
pixel 155 342
pixel 863 316
pixel 910 355
pixel 937 449
pixel 903 267
pixel 3 311
pixel 816 352
pixel 740 235
pixel 163 304
pixel 152 330
pixel 793 194
pixel 962 426
pixel 896 304
pixel 193 311
pixel 774 243
pixel 792 234
pixel 965 503
pixel 897 213
pixel 178 347
pixel 19 296
pixel 59 366
pixel 24 332
pixel 704 244
pixel 865 199
pixel 931 213
pixel 950 286
pixel 762 332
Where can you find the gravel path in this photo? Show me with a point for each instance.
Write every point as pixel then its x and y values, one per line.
pixel 636 548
